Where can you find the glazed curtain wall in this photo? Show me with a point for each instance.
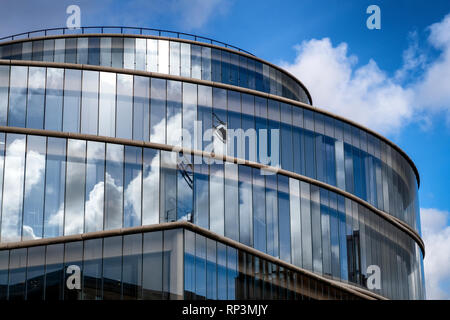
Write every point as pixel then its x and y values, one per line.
pixel 54 187
pixel 163 56
pixel 150 266
pixel 153 109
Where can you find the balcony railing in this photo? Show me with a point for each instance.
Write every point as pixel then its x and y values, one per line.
pixel 120 30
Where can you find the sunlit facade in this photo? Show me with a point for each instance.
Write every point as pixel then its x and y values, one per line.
pixel 116 158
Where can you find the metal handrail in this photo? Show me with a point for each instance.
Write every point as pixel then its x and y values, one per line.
pixel 142 31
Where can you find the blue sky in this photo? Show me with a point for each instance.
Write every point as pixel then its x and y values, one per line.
pixel 406 61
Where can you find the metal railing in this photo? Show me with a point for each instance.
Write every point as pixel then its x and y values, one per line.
pixel 121 30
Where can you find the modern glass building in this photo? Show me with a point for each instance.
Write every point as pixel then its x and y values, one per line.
pixel 142 164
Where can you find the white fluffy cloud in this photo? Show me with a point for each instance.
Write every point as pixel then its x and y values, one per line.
pixel 370 95
pixel 436 235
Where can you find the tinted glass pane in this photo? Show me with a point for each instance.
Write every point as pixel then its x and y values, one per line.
pixel 17 96
pixel 36 95
pixel 152 266
pixel 132 186
pixel 112 268
pixel 92 269
pixel 124 106
pixel 72 97
pixel 173 264
pixel 54 99
pixel 89 102
pixel 73 261
pixel 17 274
pixel 114 186
pixel 35 273
pixel 107 104
pixel 54 272
pixel 150 187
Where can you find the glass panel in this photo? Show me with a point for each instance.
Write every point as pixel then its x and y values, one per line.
pixel 201 195
pixel 94 51
pixel 73 260
pixel 13 188
pixel 36 95
pixel 232 272
pixel 152 266
pixel 152 55
pixel 105 52
pixel 4 263
pixel 284 218
pixel 158 111
pixel 89 102
pixel 17 96
pixel 54 99
pixel 59 50
pixel 221 271
pixel 82 50
pixel 114 186
pixel 259 211
pixel 95 186
pixel 325 224
pixel 128 53
pixel 272 215
pixel 231 201
pixel 112 268
pixel 174 110
pixel 189 113
pixel 296 226
pixel 306 225
pixel 17 274
pixel 107 105
pixel 206 63
pixel 200 267
pixel 196 61
pixel 174 58
pixel 75 186
pixel 124 106
pixel 211 269
pixel 189 264
pixel 54 187
pixel 44 50
pixel 72 97
pixel 33 210
pixel 150 187
pixel 92 269
pixel 54 272
pixel 140 54
pixel 185 60
pixel 168 200
pixel 173 264
pixel 163 56
pixel 132 267
pixel 116 52
pixel 141 108
pixel 133 186
pixel 71 50
pixel 245 205
pixel 316 230
pixel 216 199
pixel 4 88
pixel 35 273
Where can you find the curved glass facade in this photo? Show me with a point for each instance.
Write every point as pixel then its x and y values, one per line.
pixel 74 177
pixel 191 60
pixel 158 110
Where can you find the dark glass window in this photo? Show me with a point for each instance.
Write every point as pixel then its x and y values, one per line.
pixel 92 269
pixel 112 268
pixel 152 266
pixel 132 267
pixel 54 272
pixel 73 260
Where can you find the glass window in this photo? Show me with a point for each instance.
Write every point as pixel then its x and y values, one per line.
pixel 33 211
pixel 116 52
pixel 71 50
pixel 35 273
pixel 73 257
pixel 107 104
pixel 211 269
pixel 4 263
pixel 112 268
pixel 232 272
pixel 4 88
pixel 234 69
pixel 133 186
pixel 163 56
pixel 92 269
pixel 75 186
pixel 89 102
pixel 189 264
pixel 284 222
pixel 54 99
pixel 196 61
pixel 221 271
pixel 174 110
pixel 82 50
pixel 272 215
pixel 168 200
pixel 259 211
pixel 206 63
pixel 72 97
pixel 296 227
pixel 140 54
pixel 216 198
pixel 44 50
pixel 59 50
pixel 17 96
pixel 200 267
pixel 124 106
pixel 306 226
pixel 243 75
pixel 17 274
pixel 114 186
pixel 132 267
pixel 245 205
pixel 54 187
pixel 201 195
pixel 334 236
pixel 152 55
pixel 316 229
pixel 185 60
pixel 216 57
pixel 152 266
pixel 231 201
pixel 13 188
pixel 128 53
pixel 54 272
pixel 95 186
pixel 36 95
pixel 158 110
pixel 150 187
pixel 141 108
pixel 94 51
pixel 173 264
pixel 234 123
pixel 286 137
pixel 105 52
pixel 174 58
pixel 189 113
